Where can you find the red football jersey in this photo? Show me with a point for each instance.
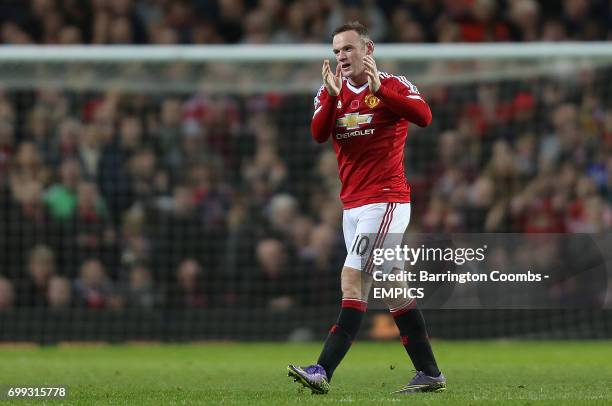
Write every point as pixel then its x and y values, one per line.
pixel 369 132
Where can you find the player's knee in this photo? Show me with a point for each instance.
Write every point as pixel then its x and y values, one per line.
pixel 355 284
pixel 396 300
pixel 352 292
pixel 394 304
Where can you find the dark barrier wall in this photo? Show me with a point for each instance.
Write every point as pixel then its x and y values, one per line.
pixel 50 327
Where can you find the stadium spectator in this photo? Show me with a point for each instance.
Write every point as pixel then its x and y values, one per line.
pixel 534 209
pixel 113 170
pixel 245 226
pixel 210 195
pixel 295 29
pixel 405 28
pixel 167 134
pixel 301 230
pixel 365 11
pixel 140 291
pixel 270 285
pixel 146 180
pixel 61 197
pixel 229 15
pixel 479 199
pixel 525 19
pixel 7 296
pixel 27 166
pixel 93 289
pixel 180 232
pixel 32 291
pixel 283 210
pixel 187 291
pixel 66 143
pixel 7 139
pixel 13 34
pixel 90 151
pixel 89 231
pixel 608 185
pixel 325 174
pixel 27 223
pixel 322 256
pixel 257 27
pixel 70 35
pixel 588 212
pixel 299 21
pixel 59 293
pixel 135 245
pixel 266 174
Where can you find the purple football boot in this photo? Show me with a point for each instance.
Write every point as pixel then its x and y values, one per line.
pixel 424 383
pixel 312 377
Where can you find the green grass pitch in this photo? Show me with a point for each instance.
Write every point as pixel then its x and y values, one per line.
pixel 478 373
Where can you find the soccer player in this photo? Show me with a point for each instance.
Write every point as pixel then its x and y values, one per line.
pixel 366 112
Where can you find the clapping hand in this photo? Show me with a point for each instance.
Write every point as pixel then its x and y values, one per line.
pixel 332 82
pixel 372 72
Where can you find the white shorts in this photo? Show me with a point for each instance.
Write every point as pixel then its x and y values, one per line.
pixel 377 225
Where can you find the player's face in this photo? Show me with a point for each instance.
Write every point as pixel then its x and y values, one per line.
pixel 350 50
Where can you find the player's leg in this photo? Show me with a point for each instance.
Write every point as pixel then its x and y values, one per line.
pixel 355 290
pixel 413 334
pixel 409 319
pixel 411 324
pixel 357 223
pixel 360 236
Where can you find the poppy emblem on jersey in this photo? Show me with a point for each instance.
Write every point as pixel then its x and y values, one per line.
pixel 353 120
pixel 371 100
pixel 354 104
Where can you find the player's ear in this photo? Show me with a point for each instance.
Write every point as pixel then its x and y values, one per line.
pixel 369 48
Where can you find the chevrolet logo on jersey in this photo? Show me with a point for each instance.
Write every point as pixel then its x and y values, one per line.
pixel 353 120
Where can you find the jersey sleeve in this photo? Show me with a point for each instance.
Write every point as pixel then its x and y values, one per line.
pixel 324 115
pixel 404 99
pixel 321 95
pixel 404 87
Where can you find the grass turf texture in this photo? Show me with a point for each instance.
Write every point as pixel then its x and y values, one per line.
pixel 477 372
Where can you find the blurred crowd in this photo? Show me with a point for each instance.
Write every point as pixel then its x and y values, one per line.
pixel 299 21
pixel 122 200
pixel 536 158
pixel 111 200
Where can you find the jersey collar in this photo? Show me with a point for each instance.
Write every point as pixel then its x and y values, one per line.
pixel 354 89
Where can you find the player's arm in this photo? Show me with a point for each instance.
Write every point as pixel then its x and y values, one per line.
pixel 412 106
pixel 324 116
pixel 402 99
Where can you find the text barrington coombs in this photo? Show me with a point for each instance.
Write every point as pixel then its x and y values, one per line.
pixel 424 276
pixel 412 255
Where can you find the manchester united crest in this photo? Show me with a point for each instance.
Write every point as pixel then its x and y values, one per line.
pixel 371 100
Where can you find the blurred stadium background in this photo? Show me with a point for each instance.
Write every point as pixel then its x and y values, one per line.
pixel 174 193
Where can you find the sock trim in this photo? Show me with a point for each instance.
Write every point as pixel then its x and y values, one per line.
pixel 406 341
pixel 336 329
pixel 356 304
pixel 403 309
